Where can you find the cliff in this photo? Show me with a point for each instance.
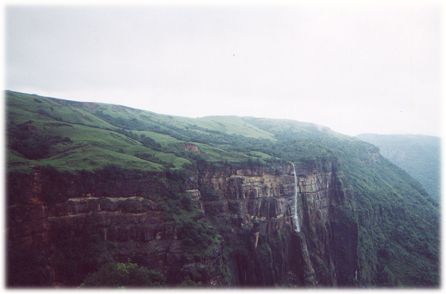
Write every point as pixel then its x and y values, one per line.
pixel 250 208
pixel 216 201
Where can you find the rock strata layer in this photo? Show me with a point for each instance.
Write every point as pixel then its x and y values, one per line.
pixel 249 207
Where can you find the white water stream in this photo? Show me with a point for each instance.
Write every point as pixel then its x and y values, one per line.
pixel 295 212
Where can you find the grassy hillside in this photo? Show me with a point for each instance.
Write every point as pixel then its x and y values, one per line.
pixel 398 222
pixel 418 155
pixel 85 136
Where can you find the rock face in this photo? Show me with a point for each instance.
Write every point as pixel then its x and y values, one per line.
pixel 28 241
pixel 119 219
pixel 134 226
pixel 258 201
pixel 250 208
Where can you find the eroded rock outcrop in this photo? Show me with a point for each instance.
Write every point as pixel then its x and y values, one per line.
pixel 250 208
pixel 256 204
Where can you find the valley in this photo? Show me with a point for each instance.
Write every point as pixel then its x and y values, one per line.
pixel 208 202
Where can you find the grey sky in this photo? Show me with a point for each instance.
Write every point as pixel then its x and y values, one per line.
pixel 352 69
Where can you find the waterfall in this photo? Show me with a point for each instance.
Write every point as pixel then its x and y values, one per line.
pixel 295 213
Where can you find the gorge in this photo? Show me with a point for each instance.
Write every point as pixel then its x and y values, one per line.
pixel 210 202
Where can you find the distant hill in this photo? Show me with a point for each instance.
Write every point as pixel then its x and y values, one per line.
pixel 418 155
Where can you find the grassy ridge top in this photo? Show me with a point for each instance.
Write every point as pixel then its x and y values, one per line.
pixel 70 135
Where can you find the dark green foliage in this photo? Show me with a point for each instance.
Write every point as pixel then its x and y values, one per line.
pixel 124 275
pixel 149 142
pixel 397 213
pixel 27 140
pixel 186 203
pixel 417 155
pixel 196 234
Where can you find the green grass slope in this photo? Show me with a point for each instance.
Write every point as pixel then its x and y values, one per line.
pixel 70 135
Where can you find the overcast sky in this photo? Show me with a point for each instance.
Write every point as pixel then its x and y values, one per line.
pixel 353 69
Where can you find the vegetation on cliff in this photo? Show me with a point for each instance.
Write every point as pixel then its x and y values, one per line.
pixel 124 275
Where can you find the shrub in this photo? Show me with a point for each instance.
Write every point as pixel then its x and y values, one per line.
pixel 124 275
